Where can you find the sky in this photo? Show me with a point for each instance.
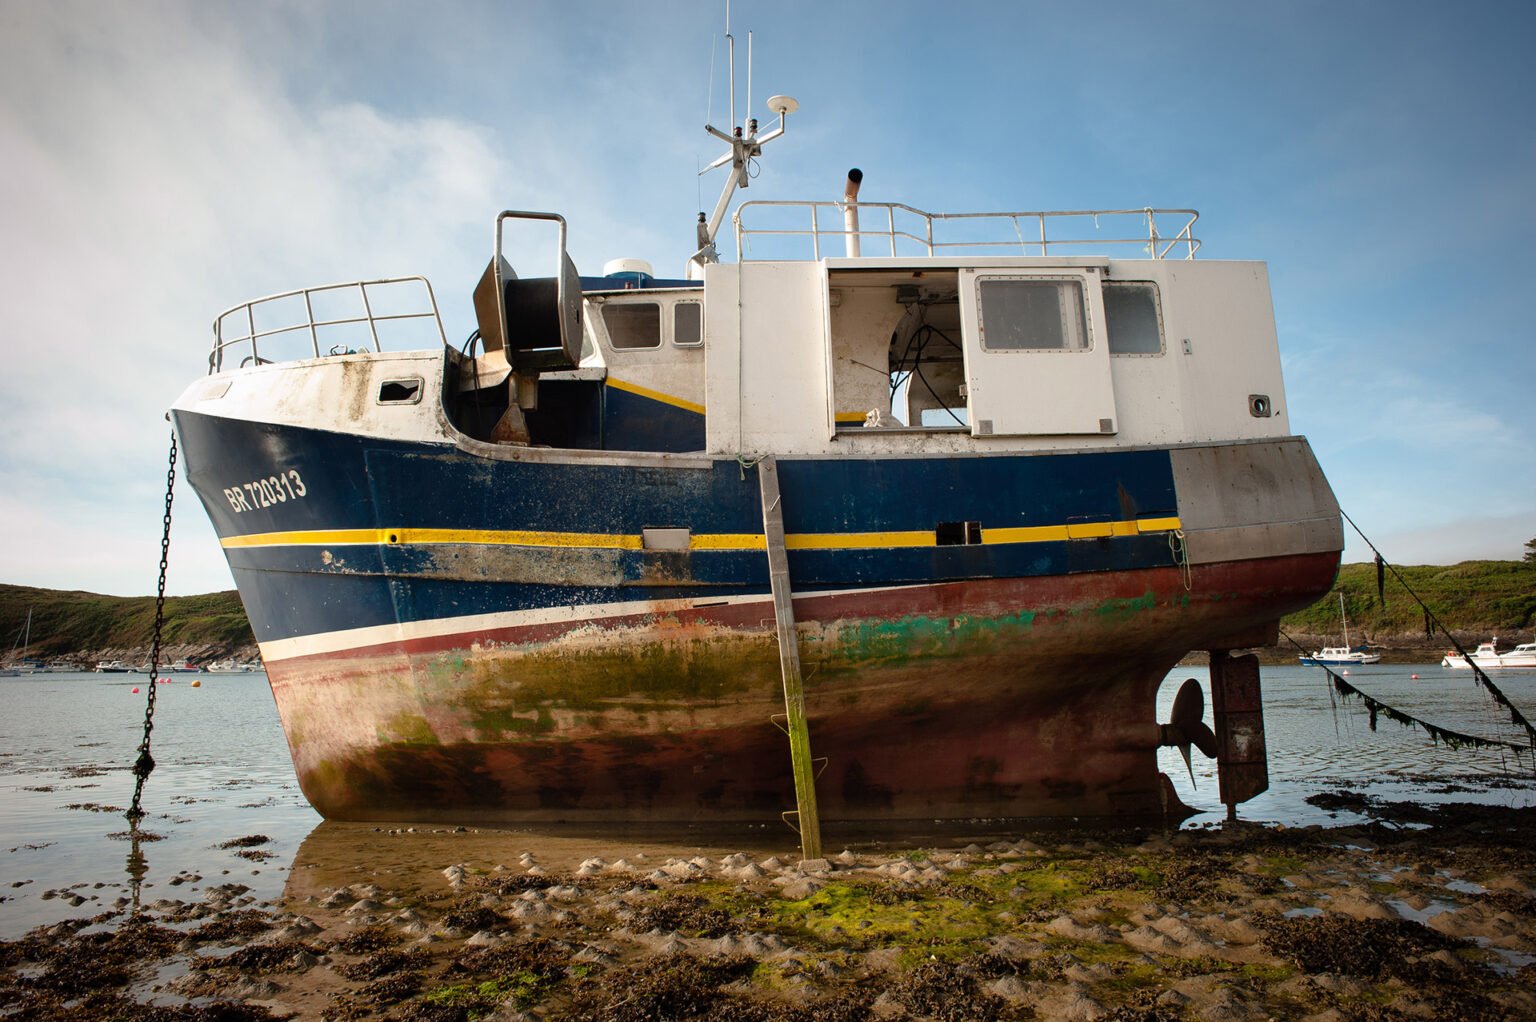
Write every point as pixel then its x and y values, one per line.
pixel 162 161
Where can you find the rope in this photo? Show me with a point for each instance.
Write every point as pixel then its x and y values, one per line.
pixel 145 764
pixel 1180 551
pixel 1482 679
pixel 1377 708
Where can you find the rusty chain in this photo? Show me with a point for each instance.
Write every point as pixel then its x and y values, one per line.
pixel 145 764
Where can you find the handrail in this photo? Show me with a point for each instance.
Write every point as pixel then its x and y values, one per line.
pixel 927 235
pixel 222 341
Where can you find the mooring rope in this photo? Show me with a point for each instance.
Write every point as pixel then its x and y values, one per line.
pixel 145 763
pixel 1437 734
pixel 1482 678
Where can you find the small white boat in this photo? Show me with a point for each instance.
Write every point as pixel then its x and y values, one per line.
pixel 114 667
pixel 1487 656
pixel 1341 656
pixel 232 667
pixel 12 668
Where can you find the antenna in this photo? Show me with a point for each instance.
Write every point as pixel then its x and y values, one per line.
pixel 730 46
pixel 745 146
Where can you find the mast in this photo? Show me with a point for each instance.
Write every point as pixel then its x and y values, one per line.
pixel 745 145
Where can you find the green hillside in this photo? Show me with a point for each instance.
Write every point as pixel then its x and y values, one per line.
pixel 71 622
pixel 1479 598
pixel 1474 598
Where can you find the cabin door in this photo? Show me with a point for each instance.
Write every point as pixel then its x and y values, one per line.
pixel 1036 353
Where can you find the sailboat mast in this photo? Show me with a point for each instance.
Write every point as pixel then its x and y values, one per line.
pixel 1343 619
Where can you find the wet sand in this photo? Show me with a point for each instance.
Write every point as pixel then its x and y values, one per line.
pixel 1424 914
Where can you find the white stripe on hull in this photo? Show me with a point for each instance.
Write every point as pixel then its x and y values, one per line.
pixel 277 650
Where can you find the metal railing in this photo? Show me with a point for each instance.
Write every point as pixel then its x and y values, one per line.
pixel 908 231
pixel 301 319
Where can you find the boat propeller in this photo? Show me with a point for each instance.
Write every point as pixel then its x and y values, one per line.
pixel 1187 726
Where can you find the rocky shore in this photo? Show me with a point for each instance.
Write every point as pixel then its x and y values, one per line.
pixel 200 653
pixel 1425 914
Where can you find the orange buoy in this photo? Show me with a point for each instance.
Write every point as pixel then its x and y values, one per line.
pixel 198 684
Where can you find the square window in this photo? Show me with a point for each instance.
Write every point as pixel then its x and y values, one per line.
pixel 633 325
pixel 688 324
pixel 1032 315
pixel 1130 316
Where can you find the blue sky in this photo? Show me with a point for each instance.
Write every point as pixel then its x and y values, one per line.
pixel 164 161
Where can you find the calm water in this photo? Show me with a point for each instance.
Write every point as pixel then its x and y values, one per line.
pixel 67 740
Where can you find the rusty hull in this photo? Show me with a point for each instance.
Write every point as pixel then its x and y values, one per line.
pixel 988 699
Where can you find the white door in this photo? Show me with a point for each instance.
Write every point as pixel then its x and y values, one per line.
pixel 1036 353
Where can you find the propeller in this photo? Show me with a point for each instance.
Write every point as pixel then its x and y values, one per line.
pixel 1187 726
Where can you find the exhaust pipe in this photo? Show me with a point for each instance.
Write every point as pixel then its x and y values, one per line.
pixel 851 212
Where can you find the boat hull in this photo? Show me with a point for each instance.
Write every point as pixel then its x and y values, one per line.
pixel 1319 661
pixel 934 702
pixel 460 633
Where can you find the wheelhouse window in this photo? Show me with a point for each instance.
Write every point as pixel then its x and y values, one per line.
pixel 1131 318
pixel 1023 314
pixel 688 324
pixel 632 325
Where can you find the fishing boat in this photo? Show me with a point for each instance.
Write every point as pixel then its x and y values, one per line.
pixel 1487 655
pixel 968 484
pixel 1341 656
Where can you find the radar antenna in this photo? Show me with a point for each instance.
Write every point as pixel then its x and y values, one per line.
pixel 745 146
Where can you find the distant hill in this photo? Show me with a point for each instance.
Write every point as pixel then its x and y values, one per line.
pixel 76 623
pixel 1475 599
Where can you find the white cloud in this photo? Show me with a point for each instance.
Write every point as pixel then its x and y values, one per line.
pixel 1498 538
pixel 156 172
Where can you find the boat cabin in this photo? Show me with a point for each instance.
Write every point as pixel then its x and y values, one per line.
pixel 932 352
pixel 927 347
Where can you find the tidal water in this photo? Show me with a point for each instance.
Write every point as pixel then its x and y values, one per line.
pixel 67 742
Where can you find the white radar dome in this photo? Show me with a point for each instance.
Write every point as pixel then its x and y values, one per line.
pixel 627 268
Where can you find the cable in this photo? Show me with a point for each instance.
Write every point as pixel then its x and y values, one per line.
pixel 1377 708
pixel 1477 672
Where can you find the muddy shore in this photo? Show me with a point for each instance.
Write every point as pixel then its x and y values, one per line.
pixel 1422 914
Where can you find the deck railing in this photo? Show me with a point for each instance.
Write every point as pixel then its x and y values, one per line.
pixel 894 229
pixel 341 318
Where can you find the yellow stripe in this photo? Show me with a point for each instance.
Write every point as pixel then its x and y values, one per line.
pixel 397 537
pixel 655 395
pixel 1025 534
pixel 851 416
pixel 704 541
pixel 728 541
pixel 857 540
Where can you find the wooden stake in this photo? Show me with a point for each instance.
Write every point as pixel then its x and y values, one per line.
pixel 789 660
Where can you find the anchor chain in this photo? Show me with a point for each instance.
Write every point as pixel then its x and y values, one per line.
pixel 145 763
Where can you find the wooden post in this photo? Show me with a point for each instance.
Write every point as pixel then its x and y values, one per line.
pixel 789 660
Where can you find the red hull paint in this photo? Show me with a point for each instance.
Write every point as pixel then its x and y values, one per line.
pixel 993 699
